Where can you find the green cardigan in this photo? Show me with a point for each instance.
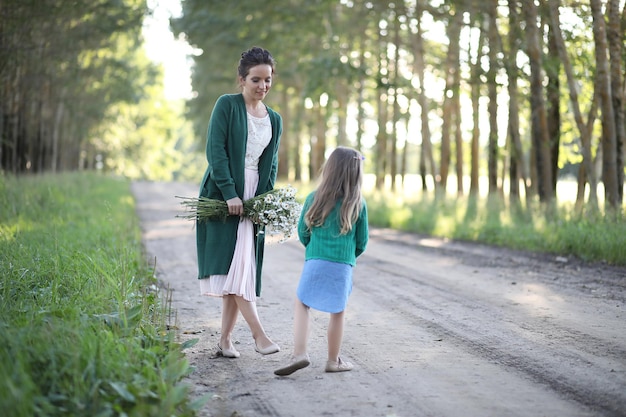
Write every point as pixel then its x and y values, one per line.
pixel 224 179
pixel 325 242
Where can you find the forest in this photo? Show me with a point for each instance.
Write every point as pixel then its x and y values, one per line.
pixel 471 116
pixel 520 93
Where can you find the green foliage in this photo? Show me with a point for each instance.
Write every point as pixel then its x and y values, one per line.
pixel 141 134
pixel 150 140
pixel 562 231
pixel 307 38
pixel 344 52
pixel 69 62
pixel 82 330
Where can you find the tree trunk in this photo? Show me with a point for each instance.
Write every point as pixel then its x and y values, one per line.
pixel 382 138
pixel 475 95
pixel 405 153
pixel 427 161
pixel 381 141
pixel 587 171
pixel 318 147
pixel 341 95
pixel 393 143
pixel 517 166
pixel 609 146
pixel 583 129
pixel 493 150
pixel 541 143
pixel 456 109
pixel 553 68
pixel 360 119
pixel 296 142
pixel 458 136
pixel 614 36
pixel 451 67
pixel 283 150
pixel 56 133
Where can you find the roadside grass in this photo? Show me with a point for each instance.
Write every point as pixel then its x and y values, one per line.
pixel 560 230
pixel 83 326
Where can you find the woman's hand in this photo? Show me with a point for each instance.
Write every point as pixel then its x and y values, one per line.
pixel 235 206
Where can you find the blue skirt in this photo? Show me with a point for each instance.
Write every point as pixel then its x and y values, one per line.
pixel 325 285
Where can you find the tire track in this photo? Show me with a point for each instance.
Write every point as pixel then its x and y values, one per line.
pixel 566 362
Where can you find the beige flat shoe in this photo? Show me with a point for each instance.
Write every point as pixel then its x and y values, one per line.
pixel 227 353
pixel 296 363
pixel 273 348
pixel 339 366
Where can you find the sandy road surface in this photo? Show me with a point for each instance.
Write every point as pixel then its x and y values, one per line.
pixel 435 328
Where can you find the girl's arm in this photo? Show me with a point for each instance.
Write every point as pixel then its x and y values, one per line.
pixel 362 231
pixel 304 233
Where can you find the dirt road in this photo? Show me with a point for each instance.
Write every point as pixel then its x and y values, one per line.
pixel 434 328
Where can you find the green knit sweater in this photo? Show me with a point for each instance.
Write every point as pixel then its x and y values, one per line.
pixel 325 242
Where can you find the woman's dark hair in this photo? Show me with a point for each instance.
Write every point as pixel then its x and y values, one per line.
pixel 253 57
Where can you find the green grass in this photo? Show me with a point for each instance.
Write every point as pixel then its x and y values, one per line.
pixel 560 231
pixel 591 237
pixel 83 329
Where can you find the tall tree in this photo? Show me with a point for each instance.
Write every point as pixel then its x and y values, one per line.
pixel 517 166
pixel 426 159
pixel 60 74
pixel 395 88
pixel 615 38
pixel 492 88
pixel 476 73
pixel 583 129
pixel 452 67
pixel 539 128
pixel 552 67
pixel 603 83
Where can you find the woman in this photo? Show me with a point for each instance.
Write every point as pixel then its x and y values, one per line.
pixel 242 152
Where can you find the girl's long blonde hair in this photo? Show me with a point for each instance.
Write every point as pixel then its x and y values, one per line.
pixel 341 179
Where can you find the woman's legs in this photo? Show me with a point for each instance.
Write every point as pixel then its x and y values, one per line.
pixel 335 335
pixel 230 311
pixel 249 313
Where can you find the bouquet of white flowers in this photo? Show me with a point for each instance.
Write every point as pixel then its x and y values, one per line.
pixel 277 210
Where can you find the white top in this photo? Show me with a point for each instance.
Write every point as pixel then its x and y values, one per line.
pixel 259 135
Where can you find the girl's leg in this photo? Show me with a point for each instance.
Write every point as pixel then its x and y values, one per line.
pixel 250 314
pixel 299 359
pixel 300 328
pixel 335 335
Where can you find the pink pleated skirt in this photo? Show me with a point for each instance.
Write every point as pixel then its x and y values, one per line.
pixel 241 277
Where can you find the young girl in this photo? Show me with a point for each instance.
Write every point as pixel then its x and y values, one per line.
pixel 333 228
